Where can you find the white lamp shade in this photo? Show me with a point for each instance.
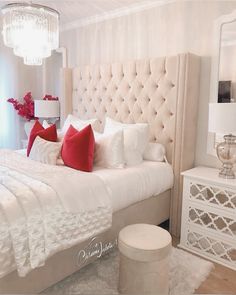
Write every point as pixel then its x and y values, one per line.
pixel 222 118
pixel 46 108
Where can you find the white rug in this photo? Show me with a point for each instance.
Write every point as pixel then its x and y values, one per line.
pixel 187 272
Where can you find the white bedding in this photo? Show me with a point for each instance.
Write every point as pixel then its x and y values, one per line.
pixel 45 209
pixel 136 183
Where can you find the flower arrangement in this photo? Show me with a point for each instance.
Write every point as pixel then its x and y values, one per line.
pixel 50 97
pixel 26 108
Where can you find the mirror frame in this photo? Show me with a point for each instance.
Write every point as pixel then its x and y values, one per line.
pixel 215 62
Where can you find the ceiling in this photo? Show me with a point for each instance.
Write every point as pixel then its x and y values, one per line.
pixel 74 10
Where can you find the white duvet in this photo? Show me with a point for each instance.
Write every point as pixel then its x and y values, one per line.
pixel 45 209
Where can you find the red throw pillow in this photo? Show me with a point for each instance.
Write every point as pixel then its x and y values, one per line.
pixel 49 134
pixel 78 148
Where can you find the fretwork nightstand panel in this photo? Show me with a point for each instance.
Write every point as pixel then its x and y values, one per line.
pixel 209 216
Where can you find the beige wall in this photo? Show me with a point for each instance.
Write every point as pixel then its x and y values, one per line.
pixel 165 30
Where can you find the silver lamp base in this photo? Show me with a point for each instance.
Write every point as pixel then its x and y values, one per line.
pixel 227 172
pixel 226 152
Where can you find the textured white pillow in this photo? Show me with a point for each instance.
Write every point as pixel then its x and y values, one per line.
pixel 45 151
pixel 135 139
pixel 80 124
pixel 109 150
pixel 154 152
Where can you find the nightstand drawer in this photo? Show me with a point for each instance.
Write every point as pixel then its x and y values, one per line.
pixel 213 220
pixel 212 195
pixel 208 225
pixel 210 246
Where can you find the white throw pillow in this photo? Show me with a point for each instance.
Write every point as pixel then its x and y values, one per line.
pixel 109 150
pixel 60 162
pixel 45 124
pixel 45 151
pixel 154 152
pixel 135 139
pixel 80 124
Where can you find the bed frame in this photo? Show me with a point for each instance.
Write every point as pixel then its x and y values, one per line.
pixel 162 92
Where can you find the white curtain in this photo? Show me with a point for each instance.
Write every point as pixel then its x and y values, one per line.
pixel 9 122
pixel 16 79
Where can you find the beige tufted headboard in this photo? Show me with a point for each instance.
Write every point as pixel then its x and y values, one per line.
pixel 162 92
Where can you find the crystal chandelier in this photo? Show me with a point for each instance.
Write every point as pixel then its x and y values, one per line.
pixel 32 31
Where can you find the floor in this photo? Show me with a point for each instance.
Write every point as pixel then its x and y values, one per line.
pixel 222 280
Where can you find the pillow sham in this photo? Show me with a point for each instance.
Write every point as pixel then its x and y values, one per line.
pixel 49 134
pixel 78 148
pixel 80 124
pixel 135 139
pixel 109 150
pixel 154 152
pixel 45 151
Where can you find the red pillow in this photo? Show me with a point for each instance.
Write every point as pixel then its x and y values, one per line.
pixel 78 148
pixel 49 134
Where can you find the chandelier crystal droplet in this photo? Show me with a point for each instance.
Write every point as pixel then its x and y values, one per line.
pixel 32 31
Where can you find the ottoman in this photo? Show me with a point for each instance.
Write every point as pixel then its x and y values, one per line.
pixel 144 259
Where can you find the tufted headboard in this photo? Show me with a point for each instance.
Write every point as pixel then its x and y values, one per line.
pixel 162 92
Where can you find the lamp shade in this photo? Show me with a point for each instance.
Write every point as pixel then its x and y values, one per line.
pixel 46 108
pixel 222 118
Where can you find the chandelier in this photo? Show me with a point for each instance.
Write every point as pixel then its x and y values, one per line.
pixel 32 31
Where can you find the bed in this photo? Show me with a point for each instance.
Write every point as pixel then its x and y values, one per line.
pixel 162 92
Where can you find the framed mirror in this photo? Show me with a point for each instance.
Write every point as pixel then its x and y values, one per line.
pixel 223 71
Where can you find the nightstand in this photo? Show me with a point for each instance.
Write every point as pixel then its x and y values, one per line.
pixel 24 143
pixel 208 226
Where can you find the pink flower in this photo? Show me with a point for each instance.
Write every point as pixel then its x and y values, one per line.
pixel 25 109
pixel 50 97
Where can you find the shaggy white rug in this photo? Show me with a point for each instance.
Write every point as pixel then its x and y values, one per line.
pixel 187 272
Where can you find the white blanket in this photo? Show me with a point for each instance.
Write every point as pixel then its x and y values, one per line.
pixel 45 209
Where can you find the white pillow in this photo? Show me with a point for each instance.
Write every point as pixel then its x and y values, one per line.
pixel 109 150
pixel 135 139
pixel 80 124
pixel 45 151
pixel 45 124
pixel 60 162
pixel 154 152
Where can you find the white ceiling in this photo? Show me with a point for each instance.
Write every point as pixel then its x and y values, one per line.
pixel 74 10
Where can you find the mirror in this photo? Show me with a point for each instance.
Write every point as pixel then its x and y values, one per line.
pixel 223 69
pixel 227 64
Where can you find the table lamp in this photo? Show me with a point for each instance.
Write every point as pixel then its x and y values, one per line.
pixel 47 109
pixel 222 119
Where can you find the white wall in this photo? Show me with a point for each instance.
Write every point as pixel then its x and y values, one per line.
pixel 165 30
pixel 15 80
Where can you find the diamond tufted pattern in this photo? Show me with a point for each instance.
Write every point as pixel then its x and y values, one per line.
pixel 139 91
pixel 162 92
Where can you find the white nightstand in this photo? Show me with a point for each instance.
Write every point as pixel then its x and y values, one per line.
pixel 24 143
pixel 209 216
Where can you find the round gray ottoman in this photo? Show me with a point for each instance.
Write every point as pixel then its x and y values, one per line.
pixel 144 259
